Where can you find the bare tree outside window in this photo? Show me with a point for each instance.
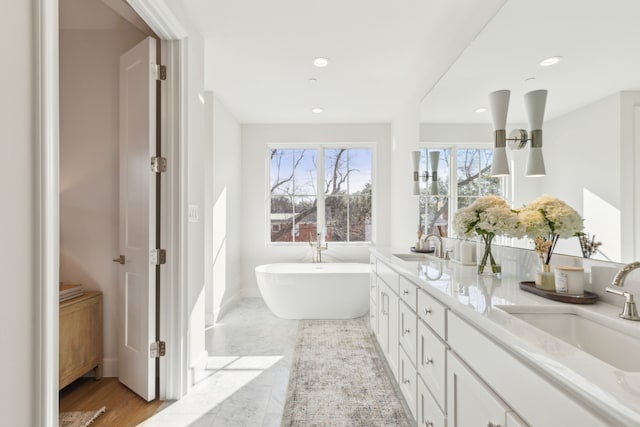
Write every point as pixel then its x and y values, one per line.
pixel 473 180
pixel 347 194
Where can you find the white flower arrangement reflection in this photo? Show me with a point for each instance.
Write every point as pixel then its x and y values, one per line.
pixel 487 217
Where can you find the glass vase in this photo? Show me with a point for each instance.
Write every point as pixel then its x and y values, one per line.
pixel 487 256
pixel 545 279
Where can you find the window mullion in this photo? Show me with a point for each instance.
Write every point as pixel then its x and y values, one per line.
pixel 453 179
pixel 320 194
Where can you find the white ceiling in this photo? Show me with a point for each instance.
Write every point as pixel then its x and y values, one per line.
pixel 383 54
pixel 599 40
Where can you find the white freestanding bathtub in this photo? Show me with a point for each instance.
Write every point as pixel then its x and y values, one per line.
pixel 315 291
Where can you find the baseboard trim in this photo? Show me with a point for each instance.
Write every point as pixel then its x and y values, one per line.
pixel 249 293
pixel 198 368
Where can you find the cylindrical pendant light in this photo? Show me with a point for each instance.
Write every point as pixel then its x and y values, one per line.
pixel 534 103
pixel 415 159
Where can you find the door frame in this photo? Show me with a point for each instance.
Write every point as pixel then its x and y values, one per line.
pixel 173 308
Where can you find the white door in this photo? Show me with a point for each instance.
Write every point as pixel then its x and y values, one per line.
pixel 137 219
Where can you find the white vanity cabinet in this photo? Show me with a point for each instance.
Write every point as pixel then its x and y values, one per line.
pixel 388 324
pixel 453 373
pixel 471 401
pixel 528 395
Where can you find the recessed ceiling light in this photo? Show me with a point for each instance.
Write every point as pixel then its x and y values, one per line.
pixel 317 110
pixel 530 79
pixel 481 110
pixel 320 62
pixel 552 60
pixel 313 80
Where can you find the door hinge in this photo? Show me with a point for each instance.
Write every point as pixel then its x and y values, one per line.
pixel 158 164
pixel 158 256
pixel 157 349
pixel 158 72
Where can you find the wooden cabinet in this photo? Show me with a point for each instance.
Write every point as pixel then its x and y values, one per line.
pixel 80 337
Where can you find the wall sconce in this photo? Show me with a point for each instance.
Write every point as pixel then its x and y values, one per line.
pixel 434 158
pixel 534 103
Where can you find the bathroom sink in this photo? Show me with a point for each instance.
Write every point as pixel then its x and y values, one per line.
pixel 412 257
pixel 601 338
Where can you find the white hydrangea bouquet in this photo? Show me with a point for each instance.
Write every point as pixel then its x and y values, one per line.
pixel 545 220
pixel 487 217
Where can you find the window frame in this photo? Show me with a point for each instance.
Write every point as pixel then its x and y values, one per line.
pixel 453 175
pixel 320 184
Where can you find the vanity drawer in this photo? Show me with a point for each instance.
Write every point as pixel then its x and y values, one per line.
pixel 388 275
pixel 408 331
pixel 433 313
pixel 407 378
pixel 429 414
pixel 432 362
pixel 409 293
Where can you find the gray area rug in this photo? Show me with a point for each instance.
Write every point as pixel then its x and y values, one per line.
pixel 79 418
pixel 338 378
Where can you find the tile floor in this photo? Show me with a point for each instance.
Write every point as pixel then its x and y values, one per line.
pixel 245 382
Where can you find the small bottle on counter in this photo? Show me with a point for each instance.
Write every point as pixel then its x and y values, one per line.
pixel 545 279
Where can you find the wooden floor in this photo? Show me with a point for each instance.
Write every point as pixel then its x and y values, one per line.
pixel 124 408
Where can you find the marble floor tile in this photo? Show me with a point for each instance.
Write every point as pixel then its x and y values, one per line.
pixel 247 372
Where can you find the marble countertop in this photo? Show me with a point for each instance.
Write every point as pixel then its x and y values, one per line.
pixel 484 300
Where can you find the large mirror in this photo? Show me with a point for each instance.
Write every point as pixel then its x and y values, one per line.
pixel 591 130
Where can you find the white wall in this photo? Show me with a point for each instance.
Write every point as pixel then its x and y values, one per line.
pixel 18 217
pixel 582 155
pixel 222 205
pixel 89 168
pixel 404 219
pixel 255 139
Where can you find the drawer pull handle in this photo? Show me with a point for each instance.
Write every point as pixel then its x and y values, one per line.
pixel 405 292
pixel 408 382
pixel 406 331
pixel 428 361
pixel 372 316
pixel 427 311
pixel 428 423
pixel 490 424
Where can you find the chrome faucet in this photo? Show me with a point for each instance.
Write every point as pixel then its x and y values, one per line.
pixel 318 247
pixel 439 252
pixel 629 311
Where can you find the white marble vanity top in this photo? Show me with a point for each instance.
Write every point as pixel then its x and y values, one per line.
pixel 478 299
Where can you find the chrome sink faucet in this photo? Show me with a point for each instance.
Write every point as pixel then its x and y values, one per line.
pixel 629 311
pixel 439 251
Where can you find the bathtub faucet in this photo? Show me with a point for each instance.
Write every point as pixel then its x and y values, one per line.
pixel 317 256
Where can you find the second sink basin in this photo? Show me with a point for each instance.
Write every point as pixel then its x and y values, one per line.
pixel 601 340
pixel 412 257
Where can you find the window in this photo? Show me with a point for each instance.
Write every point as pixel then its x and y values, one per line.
pixel 470 168
pixel 341 210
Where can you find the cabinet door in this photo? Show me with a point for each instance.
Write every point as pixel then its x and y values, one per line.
pixel 470 401
pixel 429 413
pixel 394 333
pixel 373 317
pixel 383 318
pixel 407 381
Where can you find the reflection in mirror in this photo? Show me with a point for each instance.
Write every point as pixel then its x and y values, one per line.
pixel 592 118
